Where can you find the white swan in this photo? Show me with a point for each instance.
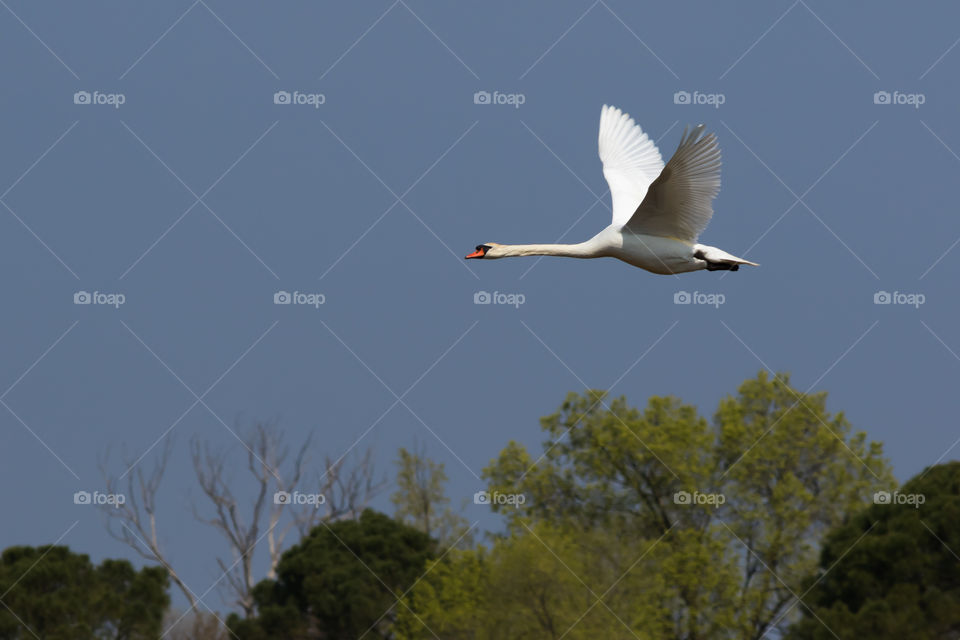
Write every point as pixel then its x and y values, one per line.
pixel 658 211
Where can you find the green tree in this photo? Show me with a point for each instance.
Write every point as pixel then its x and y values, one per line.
pixel 342 581
pixel 682 527
pixel 892 570
pixel 421 500
pixel 578 585
pixel 52 593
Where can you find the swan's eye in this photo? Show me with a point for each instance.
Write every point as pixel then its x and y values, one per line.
pixel 481 247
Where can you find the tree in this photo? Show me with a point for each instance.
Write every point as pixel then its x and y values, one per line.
pixel 194 625
pixel 421 500
pixel 891 571
pixel 266 456
pixel 243 519
pixel 52 593
pixel 661 522
pixel 135 521
pixel 344 580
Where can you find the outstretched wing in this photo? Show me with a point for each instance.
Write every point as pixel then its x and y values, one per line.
pixel 631 162
pixel 679 202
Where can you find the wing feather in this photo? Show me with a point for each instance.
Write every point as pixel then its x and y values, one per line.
pixel 679 202
pixel 631 161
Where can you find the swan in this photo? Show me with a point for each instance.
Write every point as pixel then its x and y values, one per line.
pixel 658 211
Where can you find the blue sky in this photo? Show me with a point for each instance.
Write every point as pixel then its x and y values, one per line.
pixel 198 198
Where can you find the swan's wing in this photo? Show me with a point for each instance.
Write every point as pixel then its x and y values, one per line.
pixel 678 203
pixel 630 161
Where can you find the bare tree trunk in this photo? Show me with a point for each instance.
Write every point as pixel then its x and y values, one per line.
pixel 266 454
pixel 340 491
pixel 134 522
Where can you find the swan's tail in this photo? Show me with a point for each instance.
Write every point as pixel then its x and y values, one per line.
pixel 718 259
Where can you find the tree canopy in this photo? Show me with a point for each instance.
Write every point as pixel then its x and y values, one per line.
pixel 892 571
pixel 421 499
pixel 343 580
pixel 657 523
pixel 771 517
pixel 52 593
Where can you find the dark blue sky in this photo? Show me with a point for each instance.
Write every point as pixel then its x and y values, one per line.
pixel 199 198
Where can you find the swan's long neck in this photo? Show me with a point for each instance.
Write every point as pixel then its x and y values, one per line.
pixel 581 250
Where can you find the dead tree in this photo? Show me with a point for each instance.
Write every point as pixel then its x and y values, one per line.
pixel 134 522
pixel 347 491
pixel 266 455
pixel 246 517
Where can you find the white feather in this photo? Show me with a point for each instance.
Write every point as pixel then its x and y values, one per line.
pixel 679 203
pixel 631 162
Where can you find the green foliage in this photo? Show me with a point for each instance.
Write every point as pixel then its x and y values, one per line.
pixel 421 500
pixel 892 570
pixel 561 583
pixel 605 519
pixel 341 581
pixel 54 594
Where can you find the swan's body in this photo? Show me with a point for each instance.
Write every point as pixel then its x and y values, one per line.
pixel 658 211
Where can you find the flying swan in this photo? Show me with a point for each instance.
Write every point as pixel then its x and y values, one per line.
pixel 658 211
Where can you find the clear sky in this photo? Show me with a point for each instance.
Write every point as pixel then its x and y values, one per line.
pixel 198 198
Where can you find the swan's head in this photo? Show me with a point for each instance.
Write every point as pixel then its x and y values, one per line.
pixel 488 250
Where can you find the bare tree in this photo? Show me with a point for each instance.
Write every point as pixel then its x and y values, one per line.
pixel 266 455
pixel 194 625
pixel 341 490
pixel 135 521
pixel 346 490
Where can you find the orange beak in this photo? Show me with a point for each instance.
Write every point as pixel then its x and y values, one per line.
pixel 479 253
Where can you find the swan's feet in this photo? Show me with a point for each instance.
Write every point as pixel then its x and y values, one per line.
pixel 722 266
